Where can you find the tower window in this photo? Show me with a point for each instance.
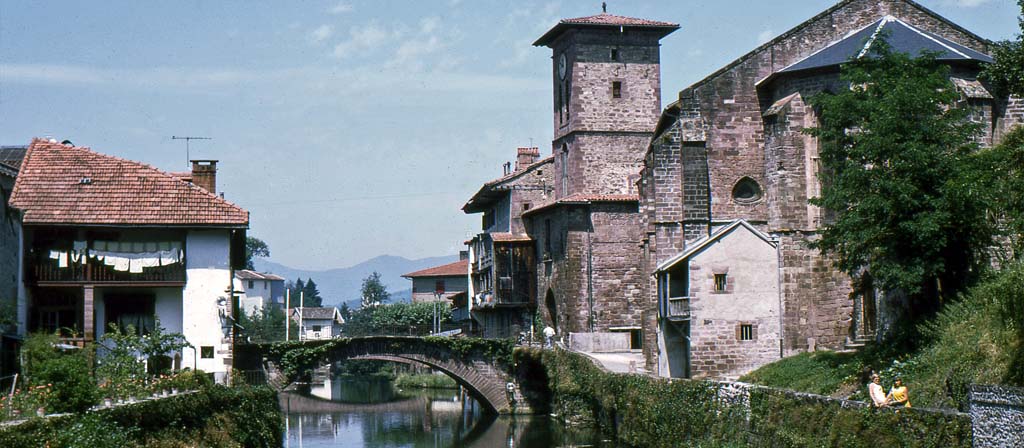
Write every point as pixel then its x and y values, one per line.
pixel 615 54
pixel 616 89
pixel 720 282
pixel 746 191
pixel 746 332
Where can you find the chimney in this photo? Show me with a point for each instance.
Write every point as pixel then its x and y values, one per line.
pixel 463 255
pixel 526 157
pixel 204 174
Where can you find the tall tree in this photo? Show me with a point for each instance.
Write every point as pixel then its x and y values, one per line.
pixel 254 247
pixel 345 311
pixel 312 294
pixel 374 293
pixel 901 176
pixel 1006 75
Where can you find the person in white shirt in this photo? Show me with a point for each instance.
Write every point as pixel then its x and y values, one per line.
pixel 876 392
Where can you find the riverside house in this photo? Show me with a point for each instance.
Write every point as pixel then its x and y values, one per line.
pixel 108 241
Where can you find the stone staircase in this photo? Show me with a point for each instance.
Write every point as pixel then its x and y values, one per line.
pixel 853 345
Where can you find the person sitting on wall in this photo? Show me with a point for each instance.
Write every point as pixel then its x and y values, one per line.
pixel 898 395
pixel 878 398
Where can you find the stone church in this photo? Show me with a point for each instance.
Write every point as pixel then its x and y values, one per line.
pixel 725 186
pixel 684 231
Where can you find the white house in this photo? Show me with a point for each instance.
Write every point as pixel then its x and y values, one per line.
pixel 259 289
pixel 719 304
pixel 108 241
pixel 317 323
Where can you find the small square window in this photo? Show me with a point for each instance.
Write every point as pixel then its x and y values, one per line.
pixel 616 89
pixel 720 282
pixel 317 328
pixel 526 206
pixel 250 284
pixel 746 332
pixel 206 352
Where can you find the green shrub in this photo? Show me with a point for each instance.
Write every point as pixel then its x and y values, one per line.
pixel 425 381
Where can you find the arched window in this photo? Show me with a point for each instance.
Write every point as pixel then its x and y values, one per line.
pixel 746 191
pixel 564 159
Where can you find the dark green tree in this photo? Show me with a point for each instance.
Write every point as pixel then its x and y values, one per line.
pixel 294 288
pixel 266 324
pixel 255 247
pixel 312 294
pixel 373 292
pixel 1003 169
pixel 1006 75
pixel 901 176
pixel 345 312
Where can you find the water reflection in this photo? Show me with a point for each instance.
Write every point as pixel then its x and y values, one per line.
pixel 418 418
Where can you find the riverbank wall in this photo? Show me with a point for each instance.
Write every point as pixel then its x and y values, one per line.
pixel 646 411
pixel 214 416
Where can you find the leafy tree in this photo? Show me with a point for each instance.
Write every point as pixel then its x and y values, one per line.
pixel 1006 75
pixel 345 312
pixel 266 324
pixel 294 288
pixel 255 247
pixel 374 293
pixel 312 294
pixel 67 374
pixel 901 176
pixel 398 318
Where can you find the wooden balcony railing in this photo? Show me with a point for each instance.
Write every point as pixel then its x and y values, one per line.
pixel 46 270
pixel 679 308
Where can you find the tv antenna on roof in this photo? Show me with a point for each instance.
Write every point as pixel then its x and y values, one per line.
pixel 188 156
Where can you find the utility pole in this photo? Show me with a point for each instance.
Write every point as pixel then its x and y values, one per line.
pixel 287 314
pixel 302 303
pixel 188 156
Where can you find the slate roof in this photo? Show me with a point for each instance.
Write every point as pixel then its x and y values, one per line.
pixel 245 274
pixel 491 190
pixel 902 37
pixel 69 185
pixel 605 20
pixel 10 159
pixel 316 313
pixel 458 268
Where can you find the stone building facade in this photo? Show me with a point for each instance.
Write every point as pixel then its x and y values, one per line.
pixel 732 147
pixel 606 80
pixel 502 265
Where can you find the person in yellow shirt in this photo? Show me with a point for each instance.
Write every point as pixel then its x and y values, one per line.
pixel 898 395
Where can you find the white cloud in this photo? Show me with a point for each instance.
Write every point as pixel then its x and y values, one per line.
pixel 321 33
pixel 341 8
pixel 765 36
pixel 363 38
pixel 429 24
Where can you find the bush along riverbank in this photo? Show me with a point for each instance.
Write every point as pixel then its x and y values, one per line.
pixel 645 411
pixel 214 416
pixel 424 381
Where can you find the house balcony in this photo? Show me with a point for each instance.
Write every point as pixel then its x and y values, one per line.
pixel 679 308
pixel 42 270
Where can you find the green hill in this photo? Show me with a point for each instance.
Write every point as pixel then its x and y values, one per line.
pixel 977 339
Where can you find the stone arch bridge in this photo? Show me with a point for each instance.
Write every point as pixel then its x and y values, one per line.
pixel 479 365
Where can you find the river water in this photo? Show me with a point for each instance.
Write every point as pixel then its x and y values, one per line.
pixel 371 413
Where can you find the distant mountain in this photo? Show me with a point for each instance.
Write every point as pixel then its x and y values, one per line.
pixel 343 284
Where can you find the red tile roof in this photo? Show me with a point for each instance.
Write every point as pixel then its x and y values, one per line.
pixel 612 19
pixel 61 184
pixel 606 20
pixel 457 268
pixel 581 198
pixel 490 190
pixel 508 237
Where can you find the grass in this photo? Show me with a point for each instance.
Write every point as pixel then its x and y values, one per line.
pixel 978 339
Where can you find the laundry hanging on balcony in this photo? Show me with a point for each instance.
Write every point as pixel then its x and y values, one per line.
pixel 134 257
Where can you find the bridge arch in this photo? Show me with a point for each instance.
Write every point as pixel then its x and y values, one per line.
pixel 479 365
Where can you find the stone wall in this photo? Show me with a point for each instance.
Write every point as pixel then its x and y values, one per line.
pixel 997 415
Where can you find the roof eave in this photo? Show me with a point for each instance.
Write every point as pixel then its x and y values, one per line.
pixel 561 27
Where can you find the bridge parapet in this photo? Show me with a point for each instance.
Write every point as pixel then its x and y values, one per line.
pixel 482 366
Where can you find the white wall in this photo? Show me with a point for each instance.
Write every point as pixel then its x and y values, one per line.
pixel 207 277
pixel 326 332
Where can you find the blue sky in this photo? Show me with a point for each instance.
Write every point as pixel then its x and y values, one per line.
pixel 348 129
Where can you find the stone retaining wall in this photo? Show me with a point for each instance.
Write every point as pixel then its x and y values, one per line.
pixel 997 415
